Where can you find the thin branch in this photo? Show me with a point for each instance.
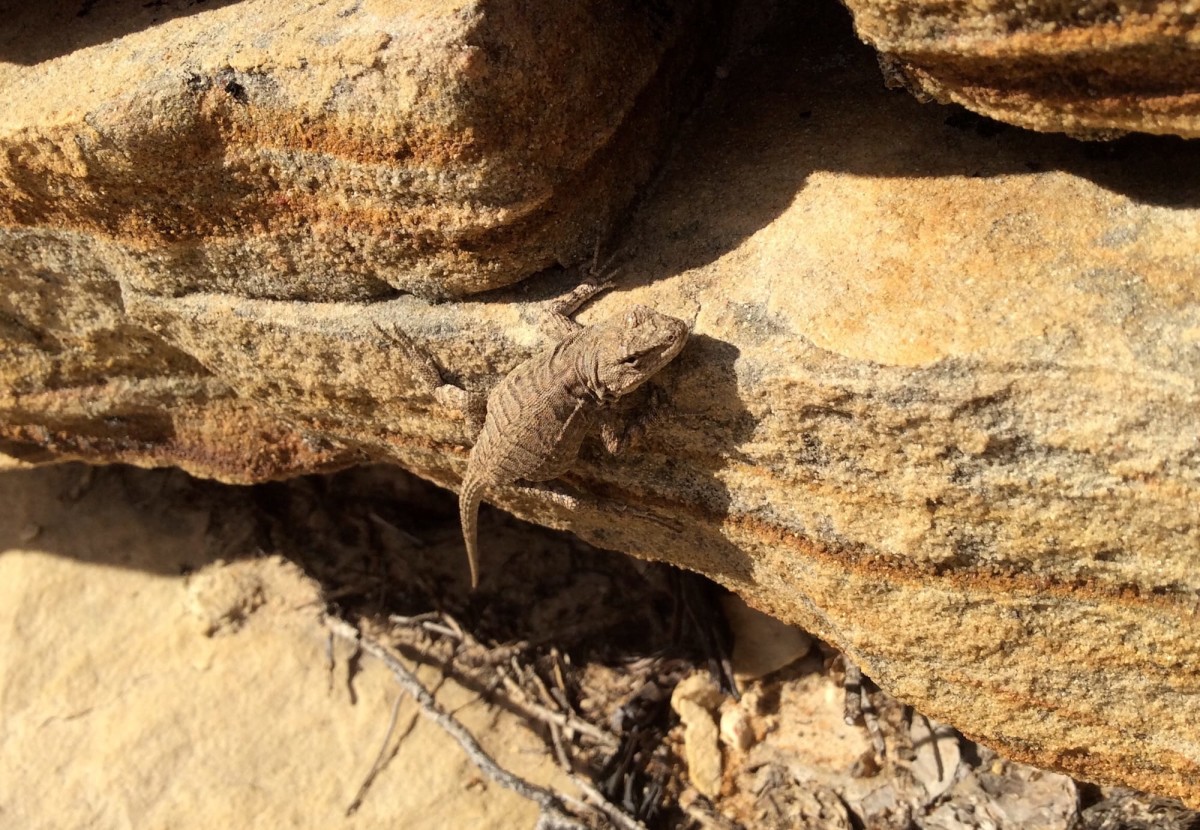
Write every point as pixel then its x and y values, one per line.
pixel 554 813
pixel 399 619
pixel 560 751
pixel 518 696
pixel 415 541
pixel 536 711
pixel 444 630
pixel 616 815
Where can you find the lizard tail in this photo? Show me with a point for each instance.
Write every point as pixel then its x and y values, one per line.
pixel 468 510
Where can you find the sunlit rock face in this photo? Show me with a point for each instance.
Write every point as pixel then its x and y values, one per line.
pixel 939 405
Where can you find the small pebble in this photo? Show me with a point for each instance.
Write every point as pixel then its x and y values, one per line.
pixel 736 729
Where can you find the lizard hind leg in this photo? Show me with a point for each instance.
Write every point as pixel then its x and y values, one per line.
pixel 472 406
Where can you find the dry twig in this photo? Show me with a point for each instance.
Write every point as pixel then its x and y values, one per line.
pixel 858 704
pixel 554 815
pixel 536 711
pixel 444 624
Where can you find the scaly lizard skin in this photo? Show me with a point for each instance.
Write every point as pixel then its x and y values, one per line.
pixel 538 416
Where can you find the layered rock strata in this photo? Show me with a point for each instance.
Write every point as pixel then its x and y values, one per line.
pixel 338 151
pixel 1094 69
pixel 940 405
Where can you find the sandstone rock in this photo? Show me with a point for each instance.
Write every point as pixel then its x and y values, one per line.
pixel 1091 68
pixel 335 151
pixel 761 644
pixel 119 712
pixel 940 406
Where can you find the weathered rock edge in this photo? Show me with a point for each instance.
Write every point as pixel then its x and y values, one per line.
pixel 347 150
pixel 940 405
pixel 1093 69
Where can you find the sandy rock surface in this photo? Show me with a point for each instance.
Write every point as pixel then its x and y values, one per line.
pixel 334 151
pixel 939 407
pixel 147 683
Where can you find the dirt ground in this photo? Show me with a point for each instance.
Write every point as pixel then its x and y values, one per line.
pixel 166 660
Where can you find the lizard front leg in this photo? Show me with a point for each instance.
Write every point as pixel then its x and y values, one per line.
pixel 557 318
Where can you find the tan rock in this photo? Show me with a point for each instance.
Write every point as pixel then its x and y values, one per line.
pixel 336 151
pixel 1090 68
pixel 695 700
pixel 119 712
pixel 940 406
pixel 761 644
pixel 737 732
pixel 700 689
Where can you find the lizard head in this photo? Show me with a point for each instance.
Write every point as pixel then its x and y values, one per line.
pixel 634 347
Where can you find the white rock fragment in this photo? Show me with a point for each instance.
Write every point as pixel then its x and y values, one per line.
pixel 937 756
pixel 736 730
pixel 761 644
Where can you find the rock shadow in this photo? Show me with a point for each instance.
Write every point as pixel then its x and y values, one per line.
pixel 709 423
pixel 808 97
pixel 376 538
pixel 160 521
pixel 37 32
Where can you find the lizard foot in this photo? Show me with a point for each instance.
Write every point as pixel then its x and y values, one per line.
pixel 624 426
pixel 470 405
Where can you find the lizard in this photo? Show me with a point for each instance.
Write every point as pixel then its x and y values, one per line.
pixel 537 416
